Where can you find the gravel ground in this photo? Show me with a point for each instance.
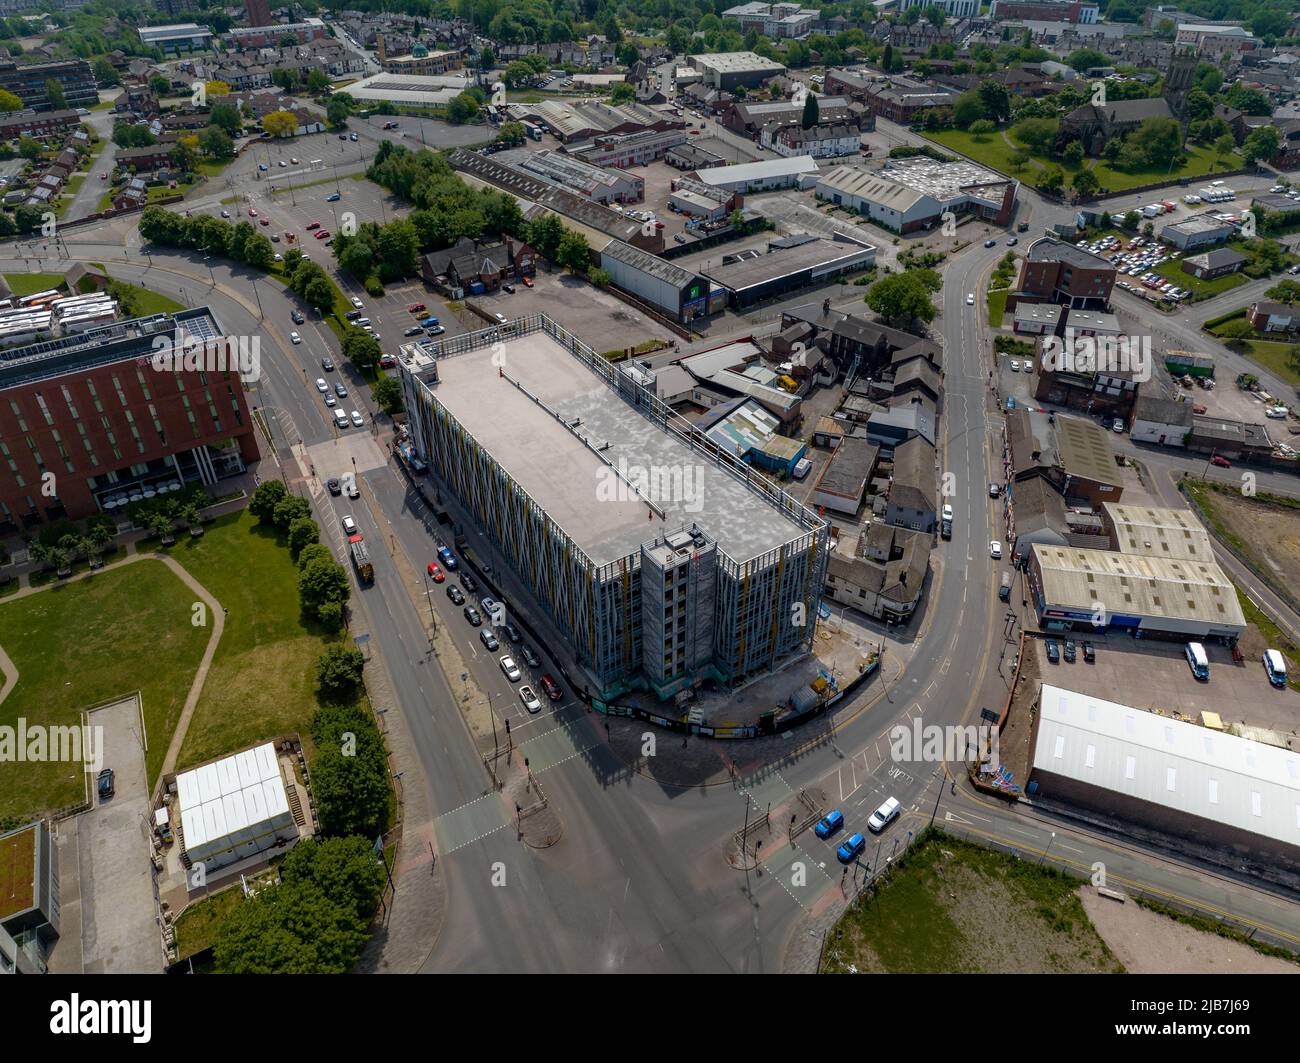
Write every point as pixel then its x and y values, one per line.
pixel 1149 943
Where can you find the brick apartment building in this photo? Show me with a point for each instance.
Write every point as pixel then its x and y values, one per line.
pixel 1056 272
pixel 95 413
pixel 27 82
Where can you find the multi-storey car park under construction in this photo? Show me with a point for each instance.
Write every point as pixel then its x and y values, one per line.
pixel 663 559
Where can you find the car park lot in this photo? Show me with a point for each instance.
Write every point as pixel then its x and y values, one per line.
pixel 1149 674
pixel 606 323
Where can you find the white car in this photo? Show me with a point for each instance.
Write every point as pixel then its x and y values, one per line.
pixel 1117 427
pixel 357 419
pixel 330 400
pixel 510 668
pixel 970 299
pixel 357 303
pixel 349 526
pixel 321 386
pixel 1015 367
pixel 884 815
pixel 995 550
pixel 529 699
pixel 947 512
pixel 501 318
pixel 294 337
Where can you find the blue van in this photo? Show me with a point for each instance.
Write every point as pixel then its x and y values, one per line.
pixel 429 321
pixel 1275 666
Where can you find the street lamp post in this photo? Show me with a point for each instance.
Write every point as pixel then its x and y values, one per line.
pixel 1048 849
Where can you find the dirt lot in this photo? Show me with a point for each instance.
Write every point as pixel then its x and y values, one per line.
pixel 1268 534
pixel 1147 942
pixel 980 911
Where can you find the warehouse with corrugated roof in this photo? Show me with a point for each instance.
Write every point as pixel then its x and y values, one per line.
pixel 1184 780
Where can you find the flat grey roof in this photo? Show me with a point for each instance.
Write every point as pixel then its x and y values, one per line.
pixel 752 272
pixel 526 432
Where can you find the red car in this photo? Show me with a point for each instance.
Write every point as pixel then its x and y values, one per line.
pixel 416 308
pixel 252 212
pixel 313 225
pixel 435 573
pixel 552 688
pixel 322 234
pixel 263 221
pixel 528 282
pixel 1221 461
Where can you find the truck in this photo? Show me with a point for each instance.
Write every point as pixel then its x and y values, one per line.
pixel 534 132
pixel 361 559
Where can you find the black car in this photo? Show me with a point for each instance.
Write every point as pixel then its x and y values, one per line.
pixel 414 330
pixel 343 136
pixel 1089 654
pixel 1053 652
pixel 453 592
pixel 989 243
pixel 530 658
pixel 512 632
pixel 472 615
pixel 105 784
pixel 468 582
pixel 298 319
pixel 327 364
pixel 352 315
pixel 509 289
pixel 332 485
pixel 1069 650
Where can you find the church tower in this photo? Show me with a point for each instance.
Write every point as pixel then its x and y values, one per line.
pixel 1179 79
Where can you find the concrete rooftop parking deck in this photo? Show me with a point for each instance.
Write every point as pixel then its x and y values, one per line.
pixel 525 430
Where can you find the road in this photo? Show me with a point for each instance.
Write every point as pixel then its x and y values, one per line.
pixel 639 881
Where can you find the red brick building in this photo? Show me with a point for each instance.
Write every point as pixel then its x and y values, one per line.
pixel 97 422
pixel 1054 271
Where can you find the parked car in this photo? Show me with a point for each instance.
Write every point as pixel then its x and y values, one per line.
pixel 489 640
pixel 472 615
pixel 994 490
pixel 1053 651
pixel 509 289
pixel 1069 651
pixel 333 197
pixel 512 632
pixel 321 386
pixel 435 573
pixel 104 784
pixel 1220 461
pixel 995 550
pixel 1089 654
pixel 530 658
pixel 851 849
pixel 456 595
pixel 449 562
pixel 357 302
pixel 829 824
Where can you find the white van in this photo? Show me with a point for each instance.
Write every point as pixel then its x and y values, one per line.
pixel 1275 666
pixel 801 468
pixel 1197 661
pixel 340 420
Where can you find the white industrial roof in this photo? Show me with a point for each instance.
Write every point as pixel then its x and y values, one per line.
pixel 756 171
pixel 229 797
pixel 1159 532
pixel 1167 762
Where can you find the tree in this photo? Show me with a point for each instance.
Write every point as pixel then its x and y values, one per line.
pixel 357 797
pixel 1084 59
pixel 215 143
pixel 901 298
pixel 132 136
pixel 1262 144
pixel 1085 182
pixel 336 113
pixel 996 100
pixel 600 278
pixel 573 253
pixel 387 393
pixel 289 509
pixel 1018 159
pixel 967 108
pixel 259 252
pixel 1051 180
pixel 226 117
pixel 983 127
pixel 322 581
pixel 280 124
pixel 1073 153
pixel 622 92
pixel 183 155
pixel 1037 134
pixel 811 112
pixel 338 672
pixel 214 89
pixel 343 869
pixel 1224 146
pixel 266 497
pixel 1285 291
pixel 1132 220
pixel 361 349
pixel 303 531
pixel 104 73
pixel 511 133
pixel 54 95
pixel 9 102
pixel 159 85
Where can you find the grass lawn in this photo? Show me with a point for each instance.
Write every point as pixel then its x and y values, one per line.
pixel 980 910
pixel 992 150
pixel 68 658
pixel 17 871
pixel 1173 270
pixel 261 681
pixel 997 306
pixel 212 167
pixel 145 302
pixel 31 283
pixel 105 201
pixel 1275 357
pixel 162 191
